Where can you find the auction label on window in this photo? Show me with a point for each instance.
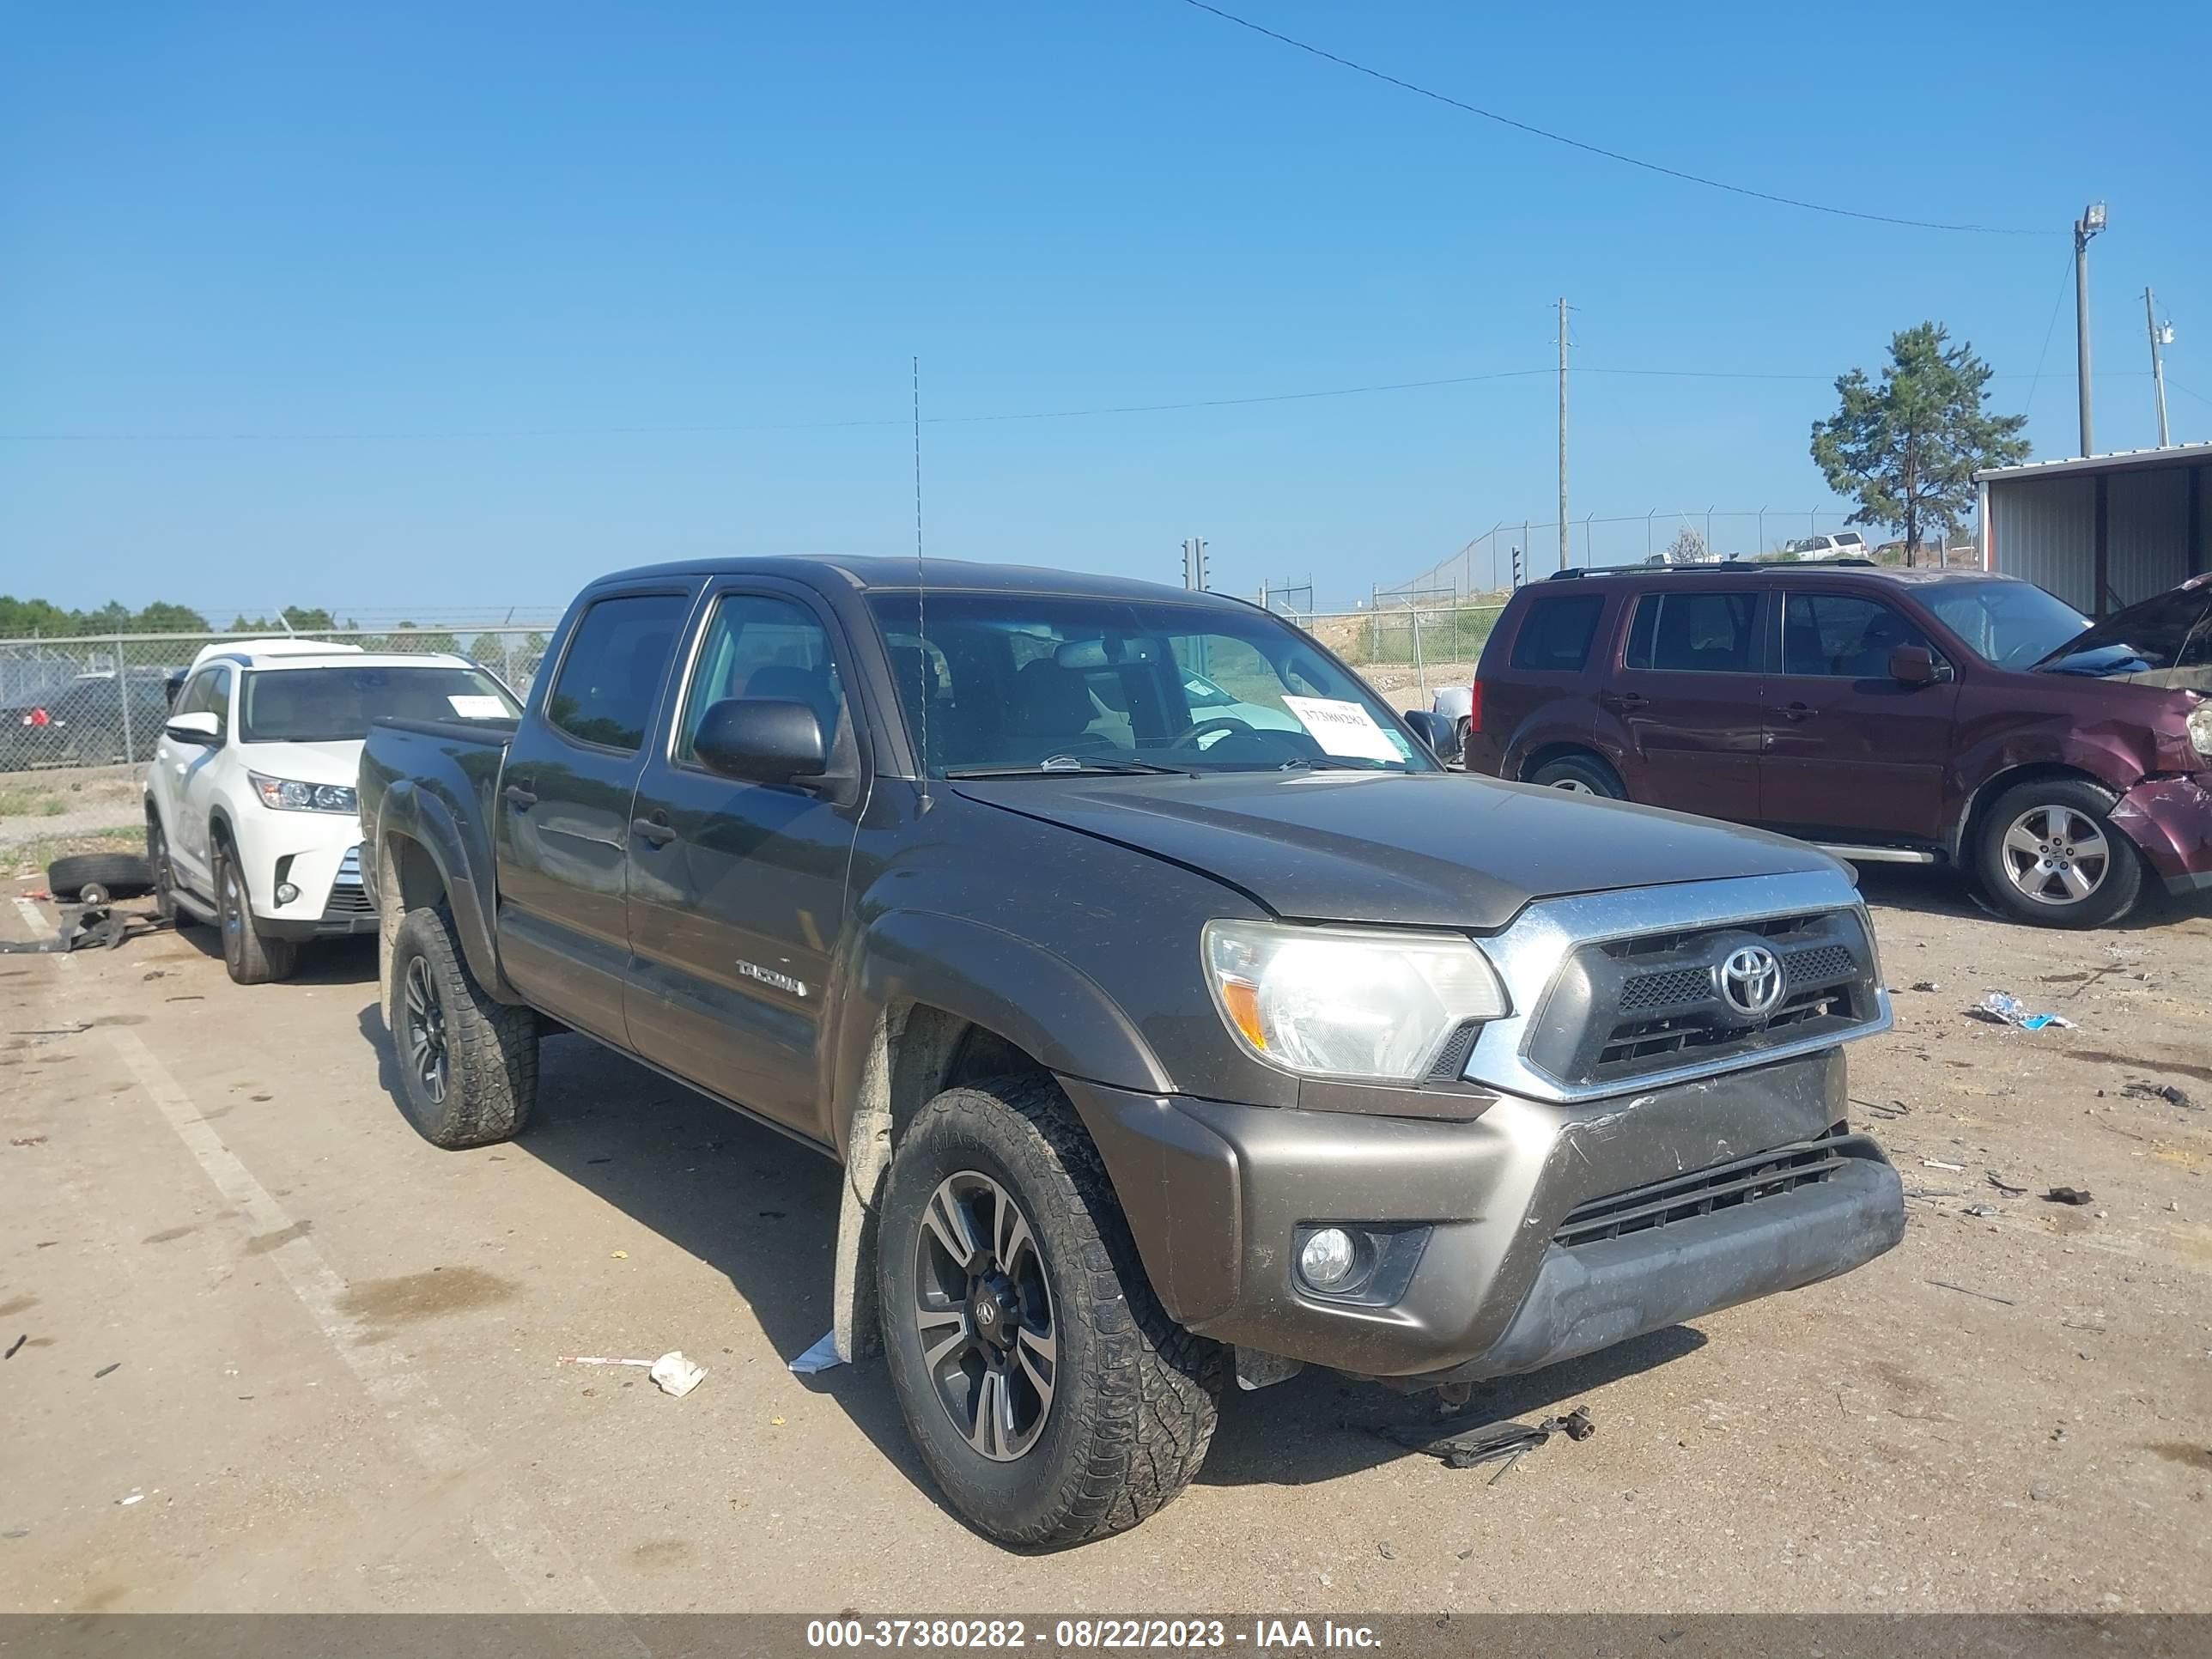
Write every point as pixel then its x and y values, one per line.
pixel 1344 729
pixel 478 707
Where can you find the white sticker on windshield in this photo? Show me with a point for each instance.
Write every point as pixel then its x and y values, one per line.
pixel 478 707
pixel 1343 728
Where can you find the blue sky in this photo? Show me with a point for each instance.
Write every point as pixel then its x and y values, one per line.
pixel 507 295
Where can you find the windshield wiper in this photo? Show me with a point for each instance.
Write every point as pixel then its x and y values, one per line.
pixel 1062 764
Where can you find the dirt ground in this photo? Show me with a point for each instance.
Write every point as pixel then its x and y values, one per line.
pixel 271 1351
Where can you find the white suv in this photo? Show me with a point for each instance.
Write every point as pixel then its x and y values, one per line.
pixel 250 817
pixel 1844 545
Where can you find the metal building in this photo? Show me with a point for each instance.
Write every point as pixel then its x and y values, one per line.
pixel 2104 531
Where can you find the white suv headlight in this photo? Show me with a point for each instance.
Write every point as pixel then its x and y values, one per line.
pixel 1347 1002
pixel 289 795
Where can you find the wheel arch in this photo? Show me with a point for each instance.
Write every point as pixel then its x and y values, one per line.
pixel 1966 831
pixel 1561 749
pixel 422 860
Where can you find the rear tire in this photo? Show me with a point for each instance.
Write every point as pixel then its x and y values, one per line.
pixel 252 957
pixel 1131 1399
pixel 118 875
pixel 1581 774
pixel 2048 854
pixel 468 1065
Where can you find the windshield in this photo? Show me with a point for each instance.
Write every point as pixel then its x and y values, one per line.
pixel 2012 624
pixel 333 705
pixel 1007 682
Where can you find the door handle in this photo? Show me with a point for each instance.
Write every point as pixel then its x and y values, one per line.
pixel 1624 700
pixel 1799 711
pixel 519 798
pixel 654 830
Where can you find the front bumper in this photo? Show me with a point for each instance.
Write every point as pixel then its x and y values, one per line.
pixel 1551 1231
pixel 2170 821
pixel 333 903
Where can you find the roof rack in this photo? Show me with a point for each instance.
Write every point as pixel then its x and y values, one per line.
pixel 1576 573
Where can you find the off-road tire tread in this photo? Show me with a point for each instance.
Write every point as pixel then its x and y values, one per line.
pixel 1150 1418
pixel 491 1047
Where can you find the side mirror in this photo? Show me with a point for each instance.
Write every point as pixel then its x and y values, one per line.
pixel 762 740
pixel 1432 729
pixel 1915 665
pixel 203 729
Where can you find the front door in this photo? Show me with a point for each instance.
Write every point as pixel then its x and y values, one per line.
pixel 738 889
pixel 1850 750
pixel 564 837
pixel 1688 695
pixel 184 776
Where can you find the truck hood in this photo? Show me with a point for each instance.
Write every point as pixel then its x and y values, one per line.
pixel 2164 642
pixel 1438 849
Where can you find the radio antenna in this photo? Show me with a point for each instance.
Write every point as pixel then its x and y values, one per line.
pixel 924 675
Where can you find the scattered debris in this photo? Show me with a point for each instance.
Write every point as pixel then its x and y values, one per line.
pixel 622 1255
pixel 821 1356
pixel 16 1532
pixel 1926 985
pixel 134 1498
pixel 775 1422
pixel 1387 1550
pixel 1888 1112
pixel 14 1347
pixel 1938 1163
pixel 2004 1186
pixel 2165 1092
pixel 675 1374
pixel 1945 1284
pixel 1934 1191
pixel 1982 1210
pixel 27 1140
pixel 105 1369
pixel 2002 1008
pixel 2068 1195
pixel 1486 1443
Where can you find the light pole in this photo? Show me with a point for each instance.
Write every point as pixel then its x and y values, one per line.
pixel 2161 336
pixel 2091 221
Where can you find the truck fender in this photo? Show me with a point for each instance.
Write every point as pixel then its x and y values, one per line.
pixel 977 974
pixel 412 814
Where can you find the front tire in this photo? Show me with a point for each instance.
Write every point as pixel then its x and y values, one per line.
pixel 252 958
pixel 165 874
pixel 1580 774
pixel 2048 854
pixel 1000 1214
pixel 468 1065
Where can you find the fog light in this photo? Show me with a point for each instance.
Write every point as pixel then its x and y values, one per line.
pixel 1327 1258
pixel 286 892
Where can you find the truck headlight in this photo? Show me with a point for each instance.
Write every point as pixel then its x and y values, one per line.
pixel 1347 1002
pixel 289 795
pixel 2200 729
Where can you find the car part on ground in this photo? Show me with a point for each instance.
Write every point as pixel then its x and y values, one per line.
pixel 113 875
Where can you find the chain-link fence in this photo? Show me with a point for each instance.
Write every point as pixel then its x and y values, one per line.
pixel 100 700
pixel 1424 643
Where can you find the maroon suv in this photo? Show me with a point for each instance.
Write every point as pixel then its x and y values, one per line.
pixel 1918 717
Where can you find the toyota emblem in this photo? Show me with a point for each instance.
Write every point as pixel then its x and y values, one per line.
pixel 1751 981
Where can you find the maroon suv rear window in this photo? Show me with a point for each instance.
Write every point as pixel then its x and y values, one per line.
pixel 1555 634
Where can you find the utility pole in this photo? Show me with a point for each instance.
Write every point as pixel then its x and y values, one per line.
pixel 1564 536
pixel 2160 337
pixel 2091 221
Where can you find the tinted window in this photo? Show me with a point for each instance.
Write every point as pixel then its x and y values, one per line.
pixel 329 705
pixel 1837 637
pixel 760 646
pixel 1698 633
pixel 1556 633
pixel 613 668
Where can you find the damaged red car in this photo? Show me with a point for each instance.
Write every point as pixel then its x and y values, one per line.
pixel 1950 717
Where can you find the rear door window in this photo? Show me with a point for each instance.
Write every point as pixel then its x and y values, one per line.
pixel 1555 635
pixel 1696 633
pixel 1835 636
pixel 612 674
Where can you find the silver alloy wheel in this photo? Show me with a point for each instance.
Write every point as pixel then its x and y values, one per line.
pixel 1574 787
pixel 2057 855
pixel 426 1030
pixel 233 913
pixel 984 1311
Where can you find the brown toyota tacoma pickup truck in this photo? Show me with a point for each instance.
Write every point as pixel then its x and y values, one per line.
pixel 1164 1041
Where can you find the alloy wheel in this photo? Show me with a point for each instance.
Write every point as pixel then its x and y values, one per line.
pixel 2057 855
pixel 1574 787
pixel 984 1311
pixel 425 1031
pixel 234 915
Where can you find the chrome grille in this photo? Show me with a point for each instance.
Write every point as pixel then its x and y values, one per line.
pixel 348 899
pixel 1718 1187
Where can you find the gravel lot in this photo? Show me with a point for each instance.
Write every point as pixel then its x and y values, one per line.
pixel 281 1354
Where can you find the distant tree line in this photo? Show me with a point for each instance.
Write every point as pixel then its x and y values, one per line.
pixel 22 618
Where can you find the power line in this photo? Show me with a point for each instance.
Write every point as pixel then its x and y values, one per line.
pixel 2065 276
pixel 1599 149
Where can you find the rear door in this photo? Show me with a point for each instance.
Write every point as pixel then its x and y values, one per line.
pixel 1688 697
pixel 1848 750
pixel 737 895
pixel 564 816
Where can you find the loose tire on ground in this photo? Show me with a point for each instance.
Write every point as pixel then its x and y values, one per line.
pixel 1135 1397
pixel 2041 841
pixel 1582 775
pixel 468 1065
pixel 250 957
pixel 119 875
